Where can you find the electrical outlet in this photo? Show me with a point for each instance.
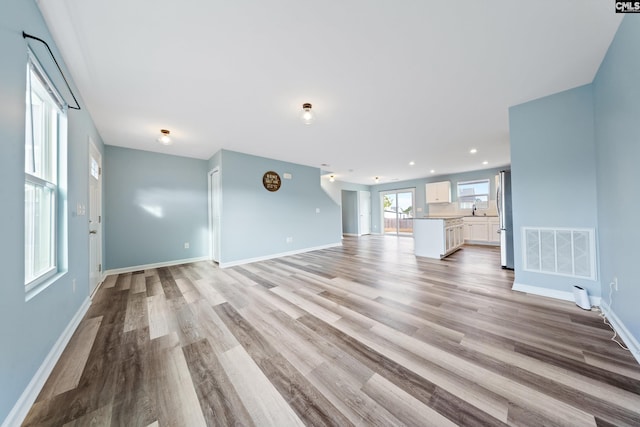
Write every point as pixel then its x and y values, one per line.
pixel 186 245
pixel 615 282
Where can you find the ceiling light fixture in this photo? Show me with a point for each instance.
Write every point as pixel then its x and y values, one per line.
pixel 376 179
pixel 485 162
pixel 411 163
pixel 332 178
pixel 433 171
pixel 164 138
pixel 473 151
pixel 307 115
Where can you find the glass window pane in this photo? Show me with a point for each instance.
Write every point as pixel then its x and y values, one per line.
pixel 39 230
pixel 42 134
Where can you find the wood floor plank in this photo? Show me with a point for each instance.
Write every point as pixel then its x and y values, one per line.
pixel 66 374
pixel 263 402
pixel 176 398
pixel 220 403
pixel 307 402
pixel 404 406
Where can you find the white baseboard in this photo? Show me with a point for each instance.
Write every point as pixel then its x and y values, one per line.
pixel 29 395
pixel 155 265
pixel 278 255
pixel 632 343
pixel 552 293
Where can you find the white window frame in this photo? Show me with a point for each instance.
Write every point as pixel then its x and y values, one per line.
pixel 47 179
pixel 479 206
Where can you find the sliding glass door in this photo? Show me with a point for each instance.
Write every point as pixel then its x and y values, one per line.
pixel 397 209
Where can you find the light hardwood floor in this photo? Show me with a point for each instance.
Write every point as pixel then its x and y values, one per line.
pixel 363 334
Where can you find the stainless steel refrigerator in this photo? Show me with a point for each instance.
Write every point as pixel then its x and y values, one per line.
pixel 503 199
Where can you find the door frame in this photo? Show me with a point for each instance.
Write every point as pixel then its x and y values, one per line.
pixel 214 229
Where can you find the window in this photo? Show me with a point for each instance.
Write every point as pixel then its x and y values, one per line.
pixel 473 193
pixel 45 127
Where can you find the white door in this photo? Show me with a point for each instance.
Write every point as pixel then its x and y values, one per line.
pixel 364 210
pixel 215 207
pixel 95 217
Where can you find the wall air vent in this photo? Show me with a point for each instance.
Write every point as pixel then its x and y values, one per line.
pixel 563 251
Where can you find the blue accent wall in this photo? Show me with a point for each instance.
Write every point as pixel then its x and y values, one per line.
pixel 553 174
pixel 154 204
pixel 617 108
pixel 29 329
pixel 256 222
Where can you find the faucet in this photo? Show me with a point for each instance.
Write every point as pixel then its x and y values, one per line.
pixel 473 211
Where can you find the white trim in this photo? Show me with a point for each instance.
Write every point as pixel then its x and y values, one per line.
pixel 281 254
pixel 552 293
pixel 29 395
pixel 155 265
pixel 632 343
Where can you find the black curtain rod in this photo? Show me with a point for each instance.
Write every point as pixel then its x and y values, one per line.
pixel 24 36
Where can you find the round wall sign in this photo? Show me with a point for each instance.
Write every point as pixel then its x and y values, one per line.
pixel 271 181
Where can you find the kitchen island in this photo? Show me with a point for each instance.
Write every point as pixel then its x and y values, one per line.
pixel 437 237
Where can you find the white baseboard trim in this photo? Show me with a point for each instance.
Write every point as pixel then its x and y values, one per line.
pixel 551 293
pixel 29 395
pixel 278 255
pixel 154 265
pixel 632 343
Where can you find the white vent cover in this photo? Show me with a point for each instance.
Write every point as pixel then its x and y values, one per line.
pixel 563 251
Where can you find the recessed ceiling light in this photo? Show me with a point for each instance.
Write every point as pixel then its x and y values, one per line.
pixel 376 179
pixel 485 162
pixel 432 171
pixel 473 151
pixel 324 165
pixel 411 163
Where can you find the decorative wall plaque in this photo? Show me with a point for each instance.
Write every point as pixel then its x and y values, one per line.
pixel 271 181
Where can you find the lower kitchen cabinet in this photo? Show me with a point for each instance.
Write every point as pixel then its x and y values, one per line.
pixel 481 230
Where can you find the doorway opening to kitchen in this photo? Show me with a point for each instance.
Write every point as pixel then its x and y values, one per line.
pixel 398 211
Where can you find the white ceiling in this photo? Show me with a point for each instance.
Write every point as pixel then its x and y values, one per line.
pixel 390 81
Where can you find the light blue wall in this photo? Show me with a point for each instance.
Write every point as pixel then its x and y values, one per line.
pixel 349 212
pixel 28 329
pixel 420 192
pixel 154 204
pixel 553 174
pixel 617 107
pixel 255 223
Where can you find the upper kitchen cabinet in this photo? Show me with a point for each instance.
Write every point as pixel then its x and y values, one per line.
pixel 439 192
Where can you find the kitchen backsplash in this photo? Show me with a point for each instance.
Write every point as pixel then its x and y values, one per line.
pixel 452 209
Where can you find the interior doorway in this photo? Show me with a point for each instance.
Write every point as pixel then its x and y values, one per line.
pixel 398 211
pixel 95 217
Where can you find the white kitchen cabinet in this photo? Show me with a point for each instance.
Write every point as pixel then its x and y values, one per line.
pixel 481 230
pixel 438 192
